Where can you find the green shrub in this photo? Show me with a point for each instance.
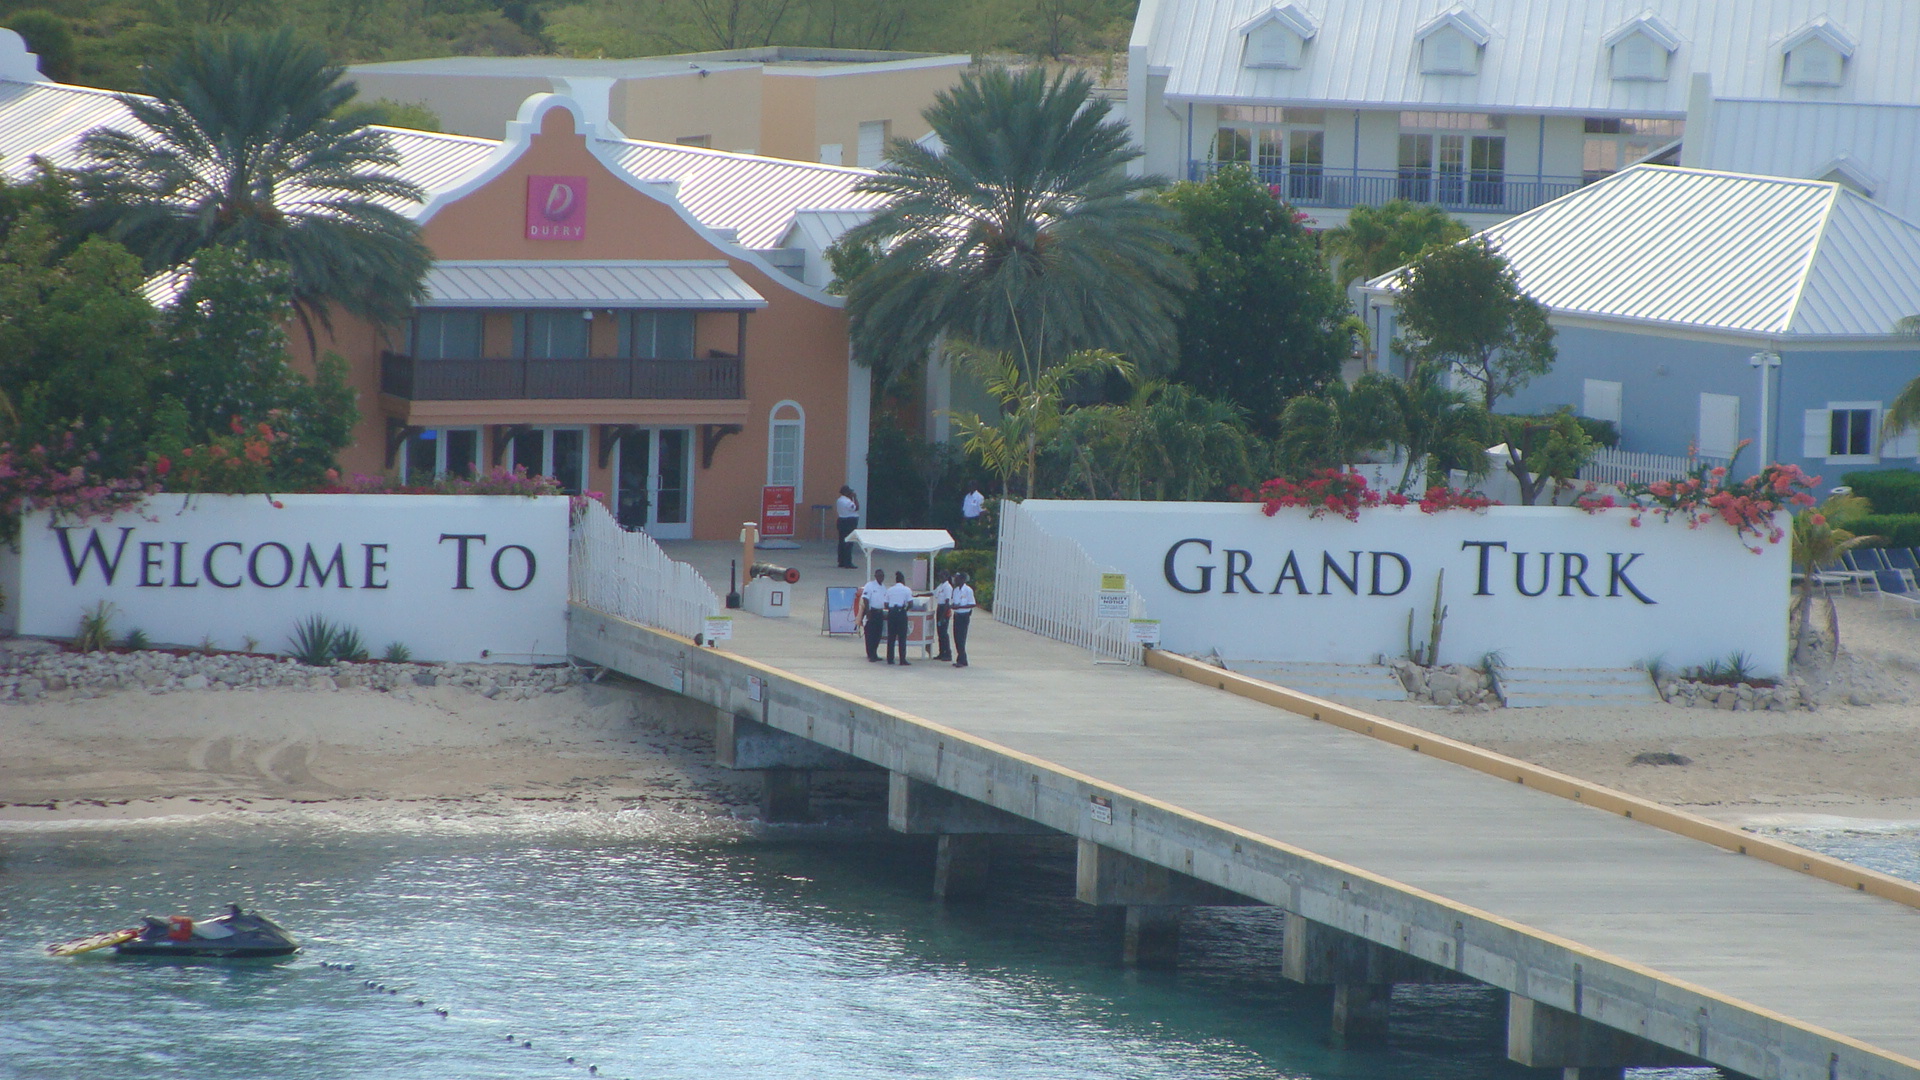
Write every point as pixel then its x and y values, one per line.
pixel 397 653
pixel 1890 491
pixel 978 565
pixel 96 629
pixel 136 640
pixel 319 643
pixel 1603 432
pixel 1894 530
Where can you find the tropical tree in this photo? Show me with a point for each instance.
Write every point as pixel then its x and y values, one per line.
pixel 1262 322
pixel 1462 307
pixel 1544 450
pixel 1333 428
pixel 1022 238
pixel 1031 407
pixel 237 143
pixel 1435 425
pixel 1818 542
pixel 1166 442
pixel 1377 239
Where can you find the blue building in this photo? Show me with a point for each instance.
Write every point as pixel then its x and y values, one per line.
pixel 1697 309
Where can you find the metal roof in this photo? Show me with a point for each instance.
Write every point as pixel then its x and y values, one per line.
pixel 1806 139
pixel 1542 55
pixel 1753 256
pixel 707 286
pixel 48 119
pixel 754 196
pixel 821 228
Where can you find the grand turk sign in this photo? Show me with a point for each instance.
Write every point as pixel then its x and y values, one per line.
pixel 1543 586
pixel 451 577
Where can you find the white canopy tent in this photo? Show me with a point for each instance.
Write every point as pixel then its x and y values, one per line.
pixel 928 542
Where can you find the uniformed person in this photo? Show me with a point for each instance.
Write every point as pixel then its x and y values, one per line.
pixel 943 614
pixel 874 596
pixel 962 615
pixel 899 599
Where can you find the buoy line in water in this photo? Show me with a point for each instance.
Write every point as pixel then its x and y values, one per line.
pixel 513 1041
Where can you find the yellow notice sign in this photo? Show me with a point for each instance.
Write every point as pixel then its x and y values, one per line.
pixel 1113 582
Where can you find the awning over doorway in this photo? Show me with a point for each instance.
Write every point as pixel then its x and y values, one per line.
pixel 626 283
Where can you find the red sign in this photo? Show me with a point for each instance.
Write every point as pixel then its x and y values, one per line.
pixel 776 513
pixel 556 207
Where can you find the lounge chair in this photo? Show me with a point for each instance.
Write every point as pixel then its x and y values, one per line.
pixel 1898 586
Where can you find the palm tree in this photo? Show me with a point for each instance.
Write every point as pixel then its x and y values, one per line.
pixel 1435 424
pixel 1377 239
pixel 1817 542
pixel 1022 237
pixel 1031 409
pixel 1331 429
pixel 237 143
pixel 1166 442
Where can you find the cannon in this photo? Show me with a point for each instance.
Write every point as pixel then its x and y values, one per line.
pixel 780 573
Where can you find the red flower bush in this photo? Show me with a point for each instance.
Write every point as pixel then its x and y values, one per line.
pixel 1750 506
pixel 1346 494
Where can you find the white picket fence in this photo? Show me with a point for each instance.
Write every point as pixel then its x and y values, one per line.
pixel 623 572
pixel 1621 467
pixel 1050 586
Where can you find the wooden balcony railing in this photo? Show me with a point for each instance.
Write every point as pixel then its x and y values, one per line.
pixel 716 377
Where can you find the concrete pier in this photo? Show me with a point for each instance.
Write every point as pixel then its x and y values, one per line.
pixel 962 866
pixel 1731 960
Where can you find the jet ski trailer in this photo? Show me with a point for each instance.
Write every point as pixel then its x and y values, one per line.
pixel 234 935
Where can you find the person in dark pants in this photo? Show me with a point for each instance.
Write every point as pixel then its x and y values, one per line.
pixel 846 511
pixel 874 596
pixel 962 616
pixel 899 599
pixel 943 614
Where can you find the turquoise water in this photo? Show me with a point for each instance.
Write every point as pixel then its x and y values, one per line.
pixel 644 948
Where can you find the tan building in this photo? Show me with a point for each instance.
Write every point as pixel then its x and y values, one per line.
pixel 837 106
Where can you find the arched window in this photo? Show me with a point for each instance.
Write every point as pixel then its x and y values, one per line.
pixel 786 447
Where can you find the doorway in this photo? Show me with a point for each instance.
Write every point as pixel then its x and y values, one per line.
pixel 653 482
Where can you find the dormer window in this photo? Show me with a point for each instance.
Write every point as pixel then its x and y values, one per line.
pixel 1277 37
pixel 1450 44
pixel 1817 54
pixel 1641 49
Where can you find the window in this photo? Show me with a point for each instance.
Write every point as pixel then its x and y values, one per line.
pixel 786 447
pixel 1447 51
pixel 1815 63
pixel 1453 169
pixel 1846 433
pixel 446 335
pixel 1273 44
pixel 557 452
pixel 1719 433
pixel 873 142
pixel 1613 143
pixel 554 335
pixel 438 452
pixel 657 335
pixel 1285 147
pixel 1600 400
pixel 1639 57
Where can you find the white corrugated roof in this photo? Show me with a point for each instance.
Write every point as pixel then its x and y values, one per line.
pixel 1806 139
pixel 1542 54
pixel 711 286
pixel 1755 256
pixel 822 227
pixel 48 119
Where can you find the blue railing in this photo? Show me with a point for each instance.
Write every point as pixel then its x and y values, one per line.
pixel 1469 193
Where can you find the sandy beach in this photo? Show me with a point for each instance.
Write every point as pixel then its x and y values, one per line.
pixel 137 753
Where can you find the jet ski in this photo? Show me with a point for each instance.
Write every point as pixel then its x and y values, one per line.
pixel 234 935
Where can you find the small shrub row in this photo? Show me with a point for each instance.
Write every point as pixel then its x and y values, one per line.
pixel 1889 491
pixel 1894 530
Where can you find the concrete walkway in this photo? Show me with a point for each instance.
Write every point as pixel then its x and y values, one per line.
pixel 1805 949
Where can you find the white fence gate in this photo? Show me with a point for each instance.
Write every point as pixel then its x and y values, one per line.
pixel 1048 585
pixel 623 572
pixel 1621 467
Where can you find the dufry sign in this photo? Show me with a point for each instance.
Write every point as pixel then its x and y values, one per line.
pixel 556 207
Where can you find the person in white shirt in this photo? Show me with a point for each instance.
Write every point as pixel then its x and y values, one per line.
pixel 973 505
pixel 963 603
pixel 873 595
pixel 899 598
pixel 943 614
pixel 846 513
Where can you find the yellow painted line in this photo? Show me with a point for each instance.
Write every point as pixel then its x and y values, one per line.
pixel 1691 826
pixel 1282 846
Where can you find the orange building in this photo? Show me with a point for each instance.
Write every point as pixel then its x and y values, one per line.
pixel 583 323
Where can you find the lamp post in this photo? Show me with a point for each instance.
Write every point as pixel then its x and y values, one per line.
pixel 1764 362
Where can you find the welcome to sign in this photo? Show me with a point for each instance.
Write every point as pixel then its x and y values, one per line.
pixel 451 577
pixel 1542 586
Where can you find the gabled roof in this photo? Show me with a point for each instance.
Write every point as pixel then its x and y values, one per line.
pixel 1287 15
pixel 1551 57
pixel 1821 29
pixel 1459 18
pixel 1746 257
pixel 1649 24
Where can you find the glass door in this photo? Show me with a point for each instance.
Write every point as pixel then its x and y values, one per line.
pixel 654 484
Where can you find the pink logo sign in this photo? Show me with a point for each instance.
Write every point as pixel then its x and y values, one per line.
pixel 556 207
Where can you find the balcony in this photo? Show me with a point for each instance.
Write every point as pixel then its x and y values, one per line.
pixel 1463 193
pixel 715 378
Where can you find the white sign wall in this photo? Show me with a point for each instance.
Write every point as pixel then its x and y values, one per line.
pixel 1543 586
pixel 456 577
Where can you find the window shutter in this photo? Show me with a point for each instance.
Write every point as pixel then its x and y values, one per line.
pixel 1600 400
pixel 1816 440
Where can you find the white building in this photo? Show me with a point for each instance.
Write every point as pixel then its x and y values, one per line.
pixel 1492 107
